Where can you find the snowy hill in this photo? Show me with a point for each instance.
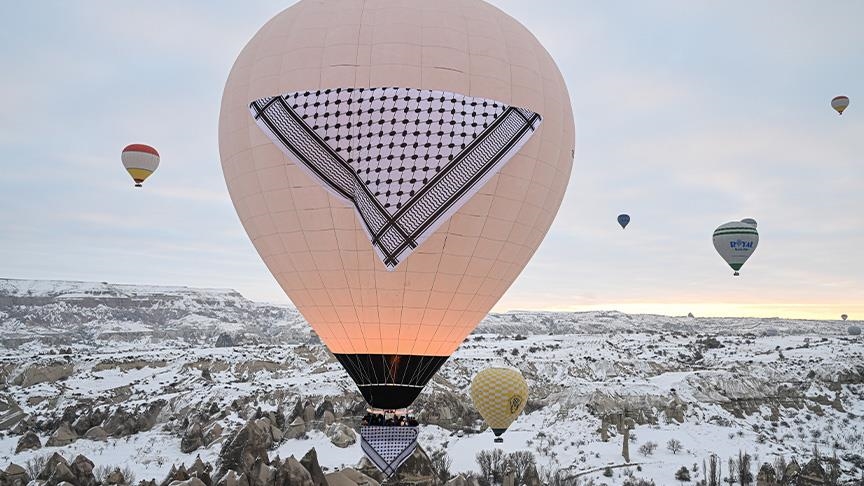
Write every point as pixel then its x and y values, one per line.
pixel 87 312
pixel 606 322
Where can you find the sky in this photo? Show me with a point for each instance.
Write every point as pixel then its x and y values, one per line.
pixel 688 114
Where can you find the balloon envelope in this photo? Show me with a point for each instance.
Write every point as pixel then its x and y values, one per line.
pixel 840 103
pixel 499 394
pixel 623 220
pixel 140 161
pixel 391 296
pixel 735 242
pixel 844 316
pixel 749 221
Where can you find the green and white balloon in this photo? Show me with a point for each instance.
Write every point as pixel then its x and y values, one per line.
pixel 735 242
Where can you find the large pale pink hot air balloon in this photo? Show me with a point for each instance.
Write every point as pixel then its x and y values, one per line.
pixel 396 165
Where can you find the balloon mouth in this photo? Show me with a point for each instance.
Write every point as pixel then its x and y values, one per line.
pixel 388 381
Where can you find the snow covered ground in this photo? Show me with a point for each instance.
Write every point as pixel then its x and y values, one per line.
pixel 733 397
pixel 718 386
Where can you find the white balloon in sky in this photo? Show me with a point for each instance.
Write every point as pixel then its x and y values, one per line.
pixel 735 242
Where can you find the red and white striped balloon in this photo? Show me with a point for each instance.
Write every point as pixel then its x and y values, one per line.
pixel 140 161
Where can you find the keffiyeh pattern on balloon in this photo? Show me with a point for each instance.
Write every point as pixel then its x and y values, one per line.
pixel 406 159
pixel 388 446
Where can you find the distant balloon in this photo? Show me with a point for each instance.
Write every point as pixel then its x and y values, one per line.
pixel 854 331
pixel 844 317
pixel 499 394
pixel 140 161
pixel 749 221
pixel 840 103
pixel 735 242
pixel 623 220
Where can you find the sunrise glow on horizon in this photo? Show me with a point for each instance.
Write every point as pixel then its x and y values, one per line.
pixel 712 309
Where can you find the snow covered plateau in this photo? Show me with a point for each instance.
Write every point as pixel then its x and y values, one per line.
pixel 148 377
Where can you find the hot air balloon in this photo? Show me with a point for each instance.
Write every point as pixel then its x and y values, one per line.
pixel 499 394
pixel 840 103
pixel 844 316
pixel 623 220
pixel 735 242
pixel 749 221
pixel 140 161
pixel 395 184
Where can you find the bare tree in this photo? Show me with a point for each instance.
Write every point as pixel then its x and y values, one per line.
pixel 484 460
pixel 732 478
pixel 441 463
pixel 491 465
pixel 521 462
pixel 35 466
pixel 648 448
pixel 745 477
pixel 557 478
pixel 834 471
pixel 674 446
pixel 714 473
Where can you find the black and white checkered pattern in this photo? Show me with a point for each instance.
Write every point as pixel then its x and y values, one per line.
pixel 388 446
pixel 405 158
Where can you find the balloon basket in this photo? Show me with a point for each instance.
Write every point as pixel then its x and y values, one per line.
pixel 736 274
pixel 138 185
pixel 498 440
pixel 403 417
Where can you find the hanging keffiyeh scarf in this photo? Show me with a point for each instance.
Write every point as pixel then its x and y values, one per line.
pixel 388 446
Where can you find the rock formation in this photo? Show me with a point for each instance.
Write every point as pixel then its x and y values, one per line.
pixel 341 435
pixel 28 441
pixel 62 436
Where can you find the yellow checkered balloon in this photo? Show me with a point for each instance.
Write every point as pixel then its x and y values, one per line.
pixel 499 394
